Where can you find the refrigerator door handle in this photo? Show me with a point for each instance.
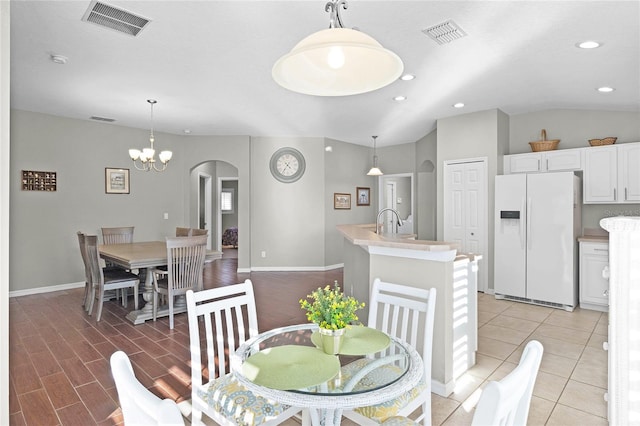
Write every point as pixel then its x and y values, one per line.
pixel 522 222
pixel 529 236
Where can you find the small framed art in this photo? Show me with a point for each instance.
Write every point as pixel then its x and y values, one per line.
pixel 116 181
pixel 341 200
pixel 362 196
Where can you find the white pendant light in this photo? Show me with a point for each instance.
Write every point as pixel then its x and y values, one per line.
pixel 337 61
pixel 375 171
pixel 145 159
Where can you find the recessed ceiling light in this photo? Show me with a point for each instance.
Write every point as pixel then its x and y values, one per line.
pixel 400 98
pixel 59 59
pixel 187 131
pixel 590 44
pixel 458 105
pixel 407 77
pixel 605 89
pixel 328 148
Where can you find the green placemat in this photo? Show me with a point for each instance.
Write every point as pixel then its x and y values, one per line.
pixel 290 367
pixel 358 340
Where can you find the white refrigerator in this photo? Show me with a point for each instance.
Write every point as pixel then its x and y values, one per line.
pixel 537 223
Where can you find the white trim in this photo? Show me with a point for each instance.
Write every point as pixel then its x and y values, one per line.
pixel 46 289
pixel 442 389
pixel 295 268
pixel 219 210
pixel 207 206
pixel 438 256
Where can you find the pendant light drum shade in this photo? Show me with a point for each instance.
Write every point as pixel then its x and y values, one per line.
pixel 337 62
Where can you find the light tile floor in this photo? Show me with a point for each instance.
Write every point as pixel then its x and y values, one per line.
pixel 572 379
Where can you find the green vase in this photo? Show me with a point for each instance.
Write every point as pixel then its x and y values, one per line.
pixel 332 340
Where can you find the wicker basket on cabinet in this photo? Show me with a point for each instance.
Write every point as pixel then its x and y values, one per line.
pixel 544 144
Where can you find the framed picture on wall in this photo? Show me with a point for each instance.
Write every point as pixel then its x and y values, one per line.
pixel 116 181
pixel 362 195
pixel 341 200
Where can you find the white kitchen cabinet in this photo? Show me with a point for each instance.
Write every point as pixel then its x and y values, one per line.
pixel 601 175
pixel 629 172
pixel 546 161
pixel 612 174
pixel 594 282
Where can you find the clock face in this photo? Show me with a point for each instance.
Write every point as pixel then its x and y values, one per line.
pixel 287 165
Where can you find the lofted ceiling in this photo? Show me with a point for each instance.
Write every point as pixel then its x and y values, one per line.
pixel 208 64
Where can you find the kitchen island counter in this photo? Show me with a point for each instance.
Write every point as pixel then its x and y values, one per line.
pixel 401 259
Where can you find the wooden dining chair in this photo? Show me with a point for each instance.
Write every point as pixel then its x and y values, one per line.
pixel 107 279
pixel 183 232
pixel 88 288
pixel 196 231
pixel 120 235
pixel 220 320
pixel 138 404
pixel 407 313
pixel 185 263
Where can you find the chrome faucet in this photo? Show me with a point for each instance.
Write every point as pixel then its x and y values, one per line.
pixel 398 223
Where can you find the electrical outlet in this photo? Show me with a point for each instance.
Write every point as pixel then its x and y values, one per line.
pixel 166 216
pixel 263 253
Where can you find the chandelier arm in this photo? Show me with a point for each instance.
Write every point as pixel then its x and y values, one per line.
pixel 164 166
pixel 333 7
pixel 143 168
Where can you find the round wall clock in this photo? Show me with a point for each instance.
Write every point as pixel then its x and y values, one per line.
pixel 287 165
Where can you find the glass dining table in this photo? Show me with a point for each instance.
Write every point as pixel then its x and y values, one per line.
pixel 288 365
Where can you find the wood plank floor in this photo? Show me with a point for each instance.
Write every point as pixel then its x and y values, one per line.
pixel 60 371
pixel 59 368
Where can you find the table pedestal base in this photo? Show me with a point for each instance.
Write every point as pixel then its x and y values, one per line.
pixel 146 312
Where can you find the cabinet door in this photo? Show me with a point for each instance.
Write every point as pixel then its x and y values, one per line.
pixel 566 159
pixel 600 175
pixel 525 163
pixel 594 257
pixel 629 172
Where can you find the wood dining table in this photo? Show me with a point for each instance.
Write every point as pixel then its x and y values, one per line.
pixel 145 256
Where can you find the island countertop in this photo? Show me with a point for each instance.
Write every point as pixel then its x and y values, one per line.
pixel 365 235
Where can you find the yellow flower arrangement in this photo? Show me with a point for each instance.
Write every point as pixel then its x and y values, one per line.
pixel 330 308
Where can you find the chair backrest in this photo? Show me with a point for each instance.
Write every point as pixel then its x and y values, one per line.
pixel 229 319
pixel 407 313
pixel 183 232
pixel 185 262
pixel 96 274
pixel 83 253
pixel 507 402
pixel 196 231
pixel 139 405
pixel 120 235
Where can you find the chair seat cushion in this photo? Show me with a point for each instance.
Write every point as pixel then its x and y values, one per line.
pixel 399 421
pixel 228 397
pixel 390 408
pixel 118 275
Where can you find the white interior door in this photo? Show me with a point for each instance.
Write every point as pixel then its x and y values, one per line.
pixel 465 209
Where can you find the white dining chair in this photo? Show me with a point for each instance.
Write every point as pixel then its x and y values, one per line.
pixel 222 319
pixel 185 263
pixel 505 402
pixel 407 313
pixel 107 279
pixel 140 407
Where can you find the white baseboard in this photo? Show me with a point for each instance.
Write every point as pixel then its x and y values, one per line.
pixel 442 389
pixel 47 289
pixel 295 268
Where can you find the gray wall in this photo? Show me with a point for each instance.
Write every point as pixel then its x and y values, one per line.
pixel 426 187
pixel 474 135
pixel 574 128
pixel 293 223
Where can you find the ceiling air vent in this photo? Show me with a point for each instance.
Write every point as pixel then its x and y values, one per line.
pixel 108 120
pixel 114 18
pixel 445 32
